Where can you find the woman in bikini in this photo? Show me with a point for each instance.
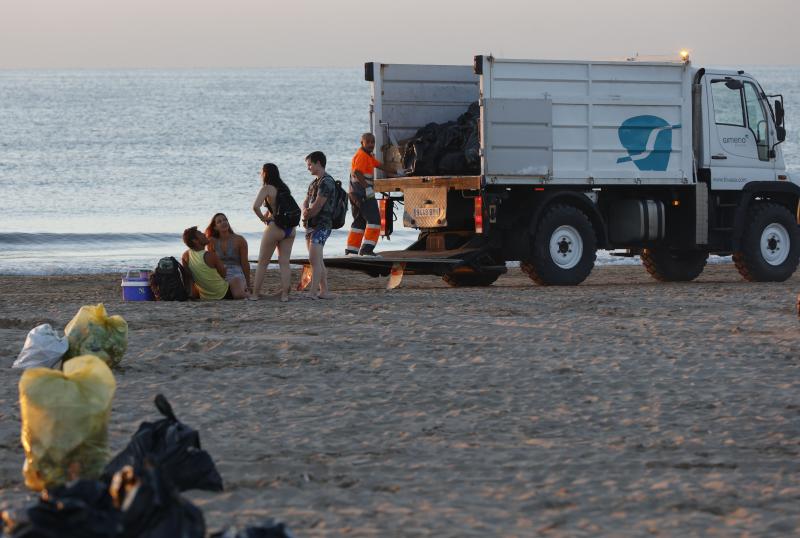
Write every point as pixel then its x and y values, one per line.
pixel 231 248
pixel 274 236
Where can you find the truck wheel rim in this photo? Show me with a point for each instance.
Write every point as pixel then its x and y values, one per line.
pixel 775 244
pixel 566 247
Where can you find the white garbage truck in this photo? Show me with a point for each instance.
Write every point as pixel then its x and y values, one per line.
pixel 655 158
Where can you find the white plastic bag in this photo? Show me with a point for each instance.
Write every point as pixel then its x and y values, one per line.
pixel 43 348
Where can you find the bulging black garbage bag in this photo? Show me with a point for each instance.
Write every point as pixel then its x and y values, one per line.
pixel 451 148
pixel 151 506
pixel 79 509
pixel 174 448
pixel 472 143
pixel 421 156
pixel 137 504
pixel 452 163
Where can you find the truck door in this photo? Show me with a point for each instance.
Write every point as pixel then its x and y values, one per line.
pixel 739 133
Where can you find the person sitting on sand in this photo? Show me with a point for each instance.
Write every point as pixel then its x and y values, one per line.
pixel 230 247
pixel 318 219
pixel 207 270
pixel 274 234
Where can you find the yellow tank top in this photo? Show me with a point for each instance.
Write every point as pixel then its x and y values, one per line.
pixel 212 287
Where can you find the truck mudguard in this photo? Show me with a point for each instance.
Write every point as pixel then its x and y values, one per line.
pixel 578 200
pixel 788 193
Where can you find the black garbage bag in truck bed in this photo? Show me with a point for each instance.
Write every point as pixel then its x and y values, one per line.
pixel 446 149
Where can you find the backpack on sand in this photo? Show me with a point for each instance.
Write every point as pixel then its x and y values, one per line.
pixel 168 280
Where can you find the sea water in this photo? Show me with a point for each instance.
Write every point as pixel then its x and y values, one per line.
pixel 102 170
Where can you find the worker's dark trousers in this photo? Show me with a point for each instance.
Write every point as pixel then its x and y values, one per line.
pixel 366 228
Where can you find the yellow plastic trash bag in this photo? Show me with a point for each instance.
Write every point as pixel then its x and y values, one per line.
pixel 65 421
pixel 93 332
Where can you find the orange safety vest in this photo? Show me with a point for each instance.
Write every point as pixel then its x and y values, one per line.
pixel 364 163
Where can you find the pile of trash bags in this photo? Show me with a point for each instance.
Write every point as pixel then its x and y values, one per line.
pixel 65 414
pixel 137 494
pixel 91 332
pixel 446 149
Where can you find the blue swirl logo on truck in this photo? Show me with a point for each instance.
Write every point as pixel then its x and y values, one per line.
pixel 648 140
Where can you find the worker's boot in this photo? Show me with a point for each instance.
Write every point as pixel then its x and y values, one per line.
pixel 367 250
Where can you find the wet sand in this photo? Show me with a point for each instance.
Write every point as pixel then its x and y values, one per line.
pixel 622 406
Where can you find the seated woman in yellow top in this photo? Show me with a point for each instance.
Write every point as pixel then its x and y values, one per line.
pixel 207 270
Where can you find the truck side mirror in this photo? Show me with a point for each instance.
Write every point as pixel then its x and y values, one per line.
pixel 780 130
pixel 734 84
pixel 779 113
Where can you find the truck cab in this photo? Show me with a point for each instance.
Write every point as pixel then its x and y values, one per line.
pixel 738 135
pixel 654 158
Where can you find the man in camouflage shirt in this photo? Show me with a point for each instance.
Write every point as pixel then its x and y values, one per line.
pixel 317 219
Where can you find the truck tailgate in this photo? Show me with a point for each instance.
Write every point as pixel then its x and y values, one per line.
pixel 451 182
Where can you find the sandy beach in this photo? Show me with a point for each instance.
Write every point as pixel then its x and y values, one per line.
pixel 622 406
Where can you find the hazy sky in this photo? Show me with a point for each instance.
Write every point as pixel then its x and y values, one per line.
pixel 264 33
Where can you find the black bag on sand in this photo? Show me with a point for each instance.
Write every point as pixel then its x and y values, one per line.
pixel 287 214
pixel 174 448
pixel 140 504
pixel 168 280
pixel 152 507
pixel 269 529
pixel 82 509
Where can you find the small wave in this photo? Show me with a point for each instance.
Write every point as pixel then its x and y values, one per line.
pixel 40 239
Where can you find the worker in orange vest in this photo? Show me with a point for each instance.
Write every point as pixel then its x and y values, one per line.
pixel 366 227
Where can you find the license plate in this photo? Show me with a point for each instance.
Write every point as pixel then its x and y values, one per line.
pixel 427 212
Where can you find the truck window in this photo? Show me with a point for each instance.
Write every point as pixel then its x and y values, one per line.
pixel 727 105
pixel 756 119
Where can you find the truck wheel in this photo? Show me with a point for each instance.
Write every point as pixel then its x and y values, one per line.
pixel 462 279
pixel 770 244
pixel 563 249
pixel 674 265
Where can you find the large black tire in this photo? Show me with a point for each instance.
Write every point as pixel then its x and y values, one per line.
pixel 563 248
pixel 463 279
pixel 674 265
pixel 770 244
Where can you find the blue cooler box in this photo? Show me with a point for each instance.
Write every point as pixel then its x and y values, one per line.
pixel 136 286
